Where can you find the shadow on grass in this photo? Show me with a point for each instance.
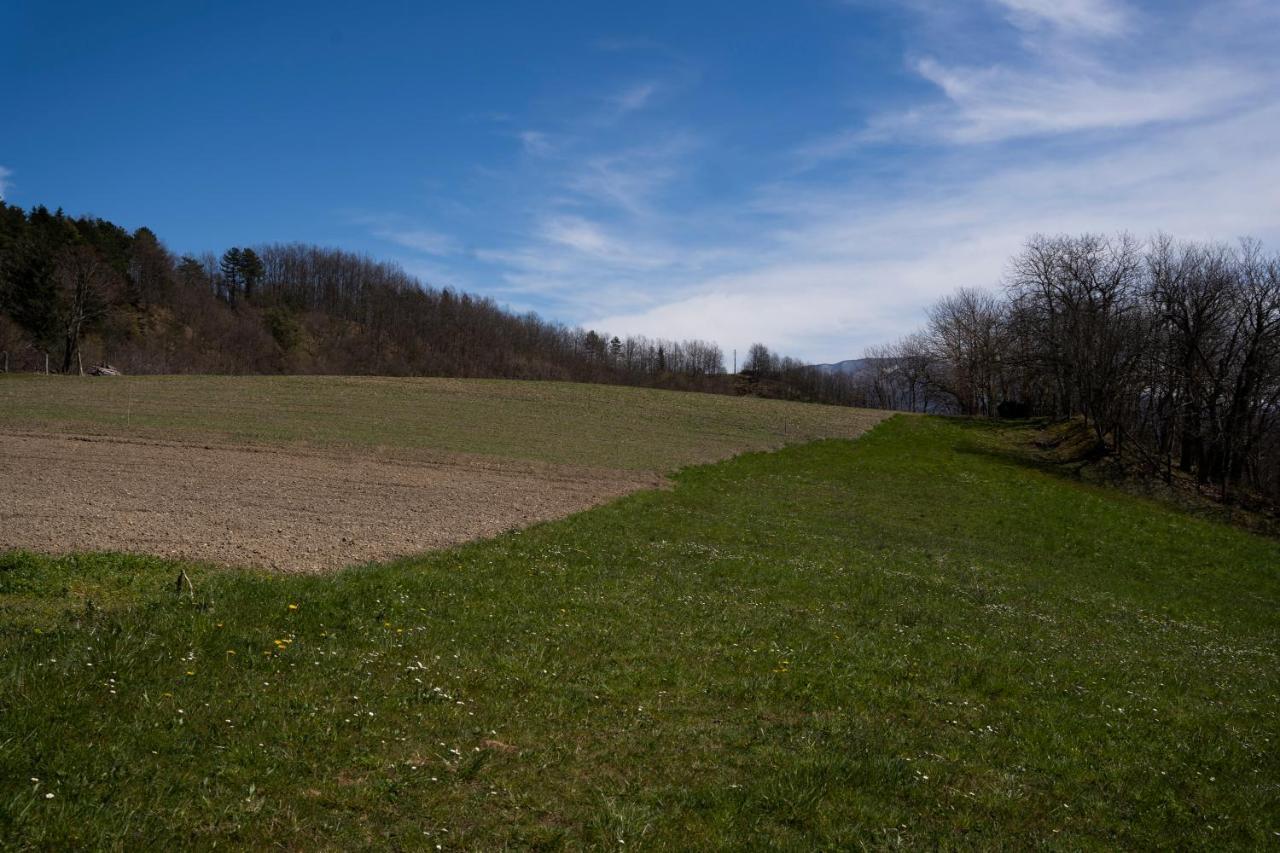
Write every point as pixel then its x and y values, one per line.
pixel 1067 450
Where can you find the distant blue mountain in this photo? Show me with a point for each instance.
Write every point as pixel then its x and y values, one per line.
pixel 850 366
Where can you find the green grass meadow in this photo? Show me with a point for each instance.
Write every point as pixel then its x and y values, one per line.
pixel 917 639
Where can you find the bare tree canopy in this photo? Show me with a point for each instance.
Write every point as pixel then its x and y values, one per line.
pixel 1169 349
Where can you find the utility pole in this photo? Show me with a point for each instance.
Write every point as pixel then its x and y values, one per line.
pixel 735 360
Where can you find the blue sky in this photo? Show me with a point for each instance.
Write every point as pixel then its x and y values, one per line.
pixel 809 173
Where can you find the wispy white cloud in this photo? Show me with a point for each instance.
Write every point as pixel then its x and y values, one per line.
pixel 629 177
pixel 420 240
pixel 633 98
pixel 1091 17
pixel 999 102
pixel 591 240
pixel 586 267
pixel 1177 69
pixel 407 234
pixel 597 231
pixel 536 142
pixel 1088 116
pixel 1154 145
pixel 839 275
pixel 5 174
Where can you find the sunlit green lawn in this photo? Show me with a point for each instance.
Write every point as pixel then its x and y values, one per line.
pixel 913 639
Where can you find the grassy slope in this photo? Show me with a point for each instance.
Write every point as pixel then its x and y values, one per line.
pixel 909 639
pixel 596 425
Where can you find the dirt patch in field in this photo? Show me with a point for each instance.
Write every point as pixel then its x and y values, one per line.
pixel 284 508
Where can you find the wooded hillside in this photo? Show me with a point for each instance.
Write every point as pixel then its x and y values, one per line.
pixel 1169 351
pixel 83 291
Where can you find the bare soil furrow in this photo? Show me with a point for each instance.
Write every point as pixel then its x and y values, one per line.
pixel 286 508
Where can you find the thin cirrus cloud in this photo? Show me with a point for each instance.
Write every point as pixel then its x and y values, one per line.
pixel 633 98
pixel 419 240
pixel 1061 83
pixel 997 103
pixel 599 231
pixel 631 177
pixel 5 174
pixel 841 278
pixel 1087 115
pixel 536 142
pixel 978 179
pixel 1088 17
pixel 403 232
pixel 589 240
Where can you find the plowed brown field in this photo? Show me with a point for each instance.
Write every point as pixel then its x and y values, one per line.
pixel 279 507
pixel 307 473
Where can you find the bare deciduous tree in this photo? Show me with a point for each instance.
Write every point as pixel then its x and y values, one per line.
pixel 1169 350
pixel 84 288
